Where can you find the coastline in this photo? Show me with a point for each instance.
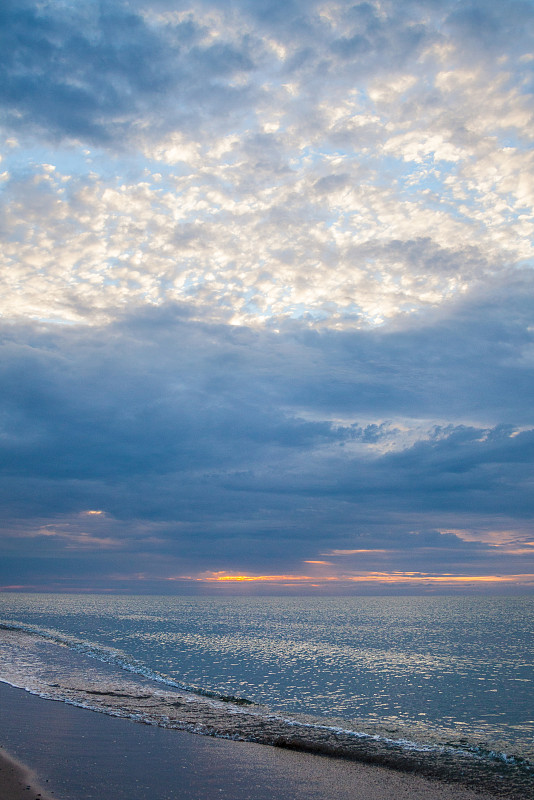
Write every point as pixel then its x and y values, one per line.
pixel 84 755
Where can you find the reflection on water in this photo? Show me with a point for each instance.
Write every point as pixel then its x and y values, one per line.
pixel 434 669
pixel 58 672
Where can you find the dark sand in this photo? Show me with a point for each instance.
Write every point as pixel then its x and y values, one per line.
pixel 17 782
pixel 83 755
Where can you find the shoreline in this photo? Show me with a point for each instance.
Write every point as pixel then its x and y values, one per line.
pixel 84 755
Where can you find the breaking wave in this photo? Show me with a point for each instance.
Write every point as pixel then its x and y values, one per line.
pixel 66 668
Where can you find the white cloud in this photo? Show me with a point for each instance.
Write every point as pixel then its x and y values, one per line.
pixel 344 184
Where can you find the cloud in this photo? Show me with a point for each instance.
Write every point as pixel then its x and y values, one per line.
pixel 89 71
pixel 228 445
pixel 257 161
pixel 492 27
pixel 266 285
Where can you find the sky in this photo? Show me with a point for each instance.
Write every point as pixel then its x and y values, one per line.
pixel 266 301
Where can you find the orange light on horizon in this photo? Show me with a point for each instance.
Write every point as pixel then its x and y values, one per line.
pixel 353 552
pixel 269 578
pixel 422 578
pixel 370 577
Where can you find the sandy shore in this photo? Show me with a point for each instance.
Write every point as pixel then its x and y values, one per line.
pixel 17 782
pixel 83 755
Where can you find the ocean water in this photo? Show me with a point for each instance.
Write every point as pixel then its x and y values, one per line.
pixel 442 685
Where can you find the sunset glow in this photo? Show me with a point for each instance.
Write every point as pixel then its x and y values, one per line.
pixel 371 577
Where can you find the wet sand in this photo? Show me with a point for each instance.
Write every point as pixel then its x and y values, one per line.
pixel 17 782
pixel 82 755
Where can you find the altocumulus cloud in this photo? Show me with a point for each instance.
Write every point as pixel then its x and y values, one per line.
pixel 266 294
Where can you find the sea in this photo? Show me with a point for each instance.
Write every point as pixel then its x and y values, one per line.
pixel 439 686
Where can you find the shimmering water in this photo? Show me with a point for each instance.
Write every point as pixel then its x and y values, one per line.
pixel 447 676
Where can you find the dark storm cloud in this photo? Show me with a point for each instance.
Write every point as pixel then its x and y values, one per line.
pixel 132 409
pixel 470 364
pixel 469 470
pixel 219 438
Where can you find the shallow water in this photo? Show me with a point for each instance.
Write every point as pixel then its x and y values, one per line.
pixel 442 685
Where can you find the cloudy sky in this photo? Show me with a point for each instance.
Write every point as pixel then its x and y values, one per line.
pixel 267 297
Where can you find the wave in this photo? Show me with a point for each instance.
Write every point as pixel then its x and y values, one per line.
pixel 81 673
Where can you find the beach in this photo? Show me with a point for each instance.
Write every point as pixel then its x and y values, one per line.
pixel 18 782
pixel 143 699
pixel 78 754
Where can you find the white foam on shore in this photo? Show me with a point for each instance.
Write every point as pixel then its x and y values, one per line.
pixel 100 679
